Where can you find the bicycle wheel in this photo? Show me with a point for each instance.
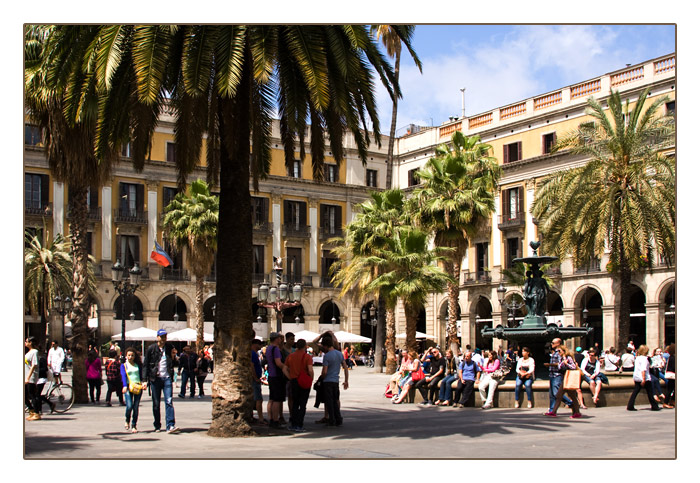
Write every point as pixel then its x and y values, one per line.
pixel 62 396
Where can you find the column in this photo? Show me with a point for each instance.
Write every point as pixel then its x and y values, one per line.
pixel 529 225
pixel 570 318
pixel 58 196
pixel 276 199
pixel 150 319
pixel 496 234
pixel 655 328
pixel 609 326
pixel 152 213
pixel 313 242
pixel 107 223
pixel 107 325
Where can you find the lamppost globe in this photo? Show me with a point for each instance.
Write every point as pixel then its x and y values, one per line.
pixel 501 291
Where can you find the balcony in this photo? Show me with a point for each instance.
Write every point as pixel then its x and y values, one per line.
pixel 469 277
pixel 94 214
pixel 326 233
pixel 292 230
pixel 37 208
pixel 137 217
pixel 169 273
pixel 262 228
pixel 593 266
pixel 515 220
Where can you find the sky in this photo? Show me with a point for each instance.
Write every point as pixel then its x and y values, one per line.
pixel 501 64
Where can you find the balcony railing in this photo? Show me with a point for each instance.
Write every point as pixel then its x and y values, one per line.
pixel 262 227
pixel 293 230
pixel 511 221
pixel 169 273
pixel 130 216
pixel 326 281
pixel 38 209
pixel 94 214
pixel 593 266
pixel 627 76
pixel 325 233
pixel 473 277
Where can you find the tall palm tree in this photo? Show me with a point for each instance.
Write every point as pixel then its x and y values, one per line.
pixel 48 270
pixel 393 36
pixel 622 199
pixel 192 222
pixel 226 81
pixel 69 149
pixel 408 272
pixel 380 218
pixel 455 200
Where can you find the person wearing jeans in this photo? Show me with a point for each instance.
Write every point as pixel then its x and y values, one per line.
pixel 556 376
pixel 131 374
pixel 525 370
pixel 428 386
pixel 445 394
pixel 159 374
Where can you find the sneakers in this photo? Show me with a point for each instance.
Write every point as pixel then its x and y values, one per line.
pixel 486 406
pixel 631 409
pixel 297 429
pixel 200 396
pixel 181 396
pixel 134 430
pixel 529 404
pixel 34 417
pixel 173 430
pixel 576 416
pixel 550 414
pixel 517 405
pixel 157 430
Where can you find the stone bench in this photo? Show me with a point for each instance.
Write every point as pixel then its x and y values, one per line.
pixel 616 393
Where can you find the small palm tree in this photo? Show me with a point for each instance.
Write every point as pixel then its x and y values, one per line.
pixel 455 201
pixel 622 199
pixel 191 222
pixel 380 218
pixel 408 271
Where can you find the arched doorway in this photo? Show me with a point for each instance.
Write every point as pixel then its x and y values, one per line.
pixel 670 315
pixel 368 320
pixel 172 308
pixel 638 316
pixel 443 315
pixel 132 304
pixel 591 314
pixel 208 308
pixel 484 318
pixel 420 322
pixel 293 319
pixel 260 321
pixel 329 316
pixel 555 306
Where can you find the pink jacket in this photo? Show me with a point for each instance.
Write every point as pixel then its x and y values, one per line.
pixel 492 366
pixel 94 370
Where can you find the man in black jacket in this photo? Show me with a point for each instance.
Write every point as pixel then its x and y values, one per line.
pixel 188 365
pixel 159 374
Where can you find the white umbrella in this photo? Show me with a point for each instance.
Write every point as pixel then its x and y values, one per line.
pixel 307 335
pixel 347 337
pixel 188 335
pixel 142 333
pixel 419 335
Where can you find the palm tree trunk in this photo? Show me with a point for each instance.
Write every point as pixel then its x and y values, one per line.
pixel 411 324
pixel 453 303
pixel 81 296
pixel 199 312
pixel 623 326
pixel 392 131
pixel 232 391
pixel 380 334
pixel 390 340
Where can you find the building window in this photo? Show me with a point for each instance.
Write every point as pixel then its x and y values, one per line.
pixel 295 213
pixel 126 150
pixel 90 249
pixel 170 152
pixel 36 191
pixel 259 207
pixel 331 172
pixel 513 246
pixel 259 259
pixel 548 141
pixel 169 194
pixel 128 250
pixel 294 171
pixel 512 152
pixel 413 179
pixel 294 265
pixel 482 260
pixel 130 199
pixel 671 108
pixel 371 178
pixel 513 203
pixel 32 135
pixel 331 222
pixel 327 260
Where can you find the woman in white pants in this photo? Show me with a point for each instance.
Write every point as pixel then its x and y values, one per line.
pixel 488 366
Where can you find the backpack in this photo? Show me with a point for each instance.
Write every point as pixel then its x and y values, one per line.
pixel 43 367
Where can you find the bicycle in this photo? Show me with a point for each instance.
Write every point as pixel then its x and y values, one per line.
pixel 61 395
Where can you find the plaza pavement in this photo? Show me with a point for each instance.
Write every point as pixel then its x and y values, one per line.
pixel 373 428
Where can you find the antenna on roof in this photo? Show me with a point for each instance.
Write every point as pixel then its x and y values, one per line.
pixel 462 89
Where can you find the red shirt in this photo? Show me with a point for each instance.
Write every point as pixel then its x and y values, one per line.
pixel 297 361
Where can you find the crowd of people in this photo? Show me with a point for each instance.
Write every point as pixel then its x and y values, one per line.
pixel 434 374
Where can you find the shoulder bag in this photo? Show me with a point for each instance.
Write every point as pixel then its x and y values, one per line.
pixel 418 375
pixel 304 380
pixel 572 379
pixel 134 387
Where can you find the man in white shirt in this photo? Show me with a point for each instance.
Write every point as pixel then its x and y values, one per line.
pixel 612 361
pixel 477 358
pixel 627 361
pixel 55 360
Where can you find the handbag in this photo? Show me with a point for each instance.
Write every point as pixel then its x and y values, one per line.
pixel 134 387
pixel 572 379
pixel 498 375
pixel 304 380
pixel 418 375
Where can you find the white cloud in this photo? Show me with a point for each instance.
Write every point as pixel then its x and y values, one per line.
pixel 527 61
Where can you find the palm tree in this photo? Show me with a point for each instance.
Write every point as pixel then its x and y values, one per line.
pixel 392 36
pixel 455 201
pixel 408 272
pixel 191 221
pixel 380 218
pixel 69 149
pixel 622 199
pixel 48 269
pixel 226 81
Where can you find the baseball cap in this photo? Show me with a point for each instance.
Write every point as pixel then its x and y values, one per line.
pixel 274 335
pixel 162 332
pixel 578 349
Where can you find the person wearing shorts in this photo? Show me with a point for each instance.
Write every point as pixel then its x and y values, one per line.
pixel 257 382
pixel 275 379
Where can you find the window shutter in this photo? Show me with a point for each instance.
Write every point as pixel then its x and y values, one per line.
pixel 505 154
pixel 544 144
pixel 93 197
pixel 123 205
pixel 520 151
pixel 139 197
pixel 44 190
pixel 266 209
pixel 287 211
pixel 521 200
pixel 505 205
pixel 302 215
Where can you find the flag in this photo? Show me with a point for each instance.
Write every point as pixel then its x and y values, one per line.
pixel 160 256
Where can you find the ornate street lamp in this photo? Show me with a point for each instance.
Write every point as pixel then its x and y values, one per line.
pixel 279 296
pixel 63 307
pixel 125 287
pixel 511 306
